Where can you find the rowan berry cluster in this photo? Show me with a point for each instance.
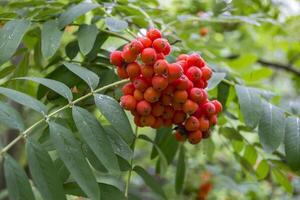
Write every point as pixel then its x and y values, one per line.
pixel 161 93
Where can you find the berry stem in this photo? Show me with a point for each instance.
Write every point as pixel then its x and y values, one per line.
pixel 25 133
pixel 131 163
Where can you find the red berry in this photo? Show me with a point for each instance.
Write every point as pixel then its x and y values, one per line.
pixel 195 137
pixel 121 71
pixel 157 109
pixel 213 120
pixel 160 44
pixel 159 83
pixel 174 72
pixel 138 95
pixel 145 41
pixel 195 60
pixel 128 88
pixel 128 102
pixel 153 34
pixel 182 57
pixel 133 70
pixel 206 73
pixel 182 83
pixel 147 71
pixel 148 120
pixel 158 123
pixel 203 124
pixel 198 95
pixel 140 84
pixel 137 120
pixel 180 96
pixel 169 90
pixel 168 112
pixel 116 58
pixel 161 67
pixel 151 95
pixel 191 124
pixel 179 117
pixel 128 56
pixel 148 56
pixel 183 65
pixel 179 137
pixel 143 108
pixel 166 100
pixel 209 108
pixel 136 47
pixel 167 49
pixel 194 74
pixel 160 56
pixel 217 105
pixel 190 107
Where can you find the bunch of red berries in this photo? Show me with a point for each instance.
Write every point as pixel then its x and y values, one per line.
pixel 162 93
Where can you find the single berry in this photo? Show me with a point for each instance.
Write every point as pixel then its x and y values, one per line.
pixel 189 107
pixel 145 41
pixel 158 123
pixel 161 67
pixel 143 108
pixel 159 83
pixel 177 106
pixel 160 56
pixel 147 120
pixel 195 60
pixel 191 124
pixel 128 88
pixel 160 45
pixel 169 90
pixel 167 122
pixel 148 56
pixel 195 137
pixel 182 83
pixel 133 70
pixel 194 74
pixel 206 73
pixel 153 34
pixel 182 57
pixel 116 58
pixel 180 96
pixel 183 65
pixel 137 120
pixel 128 56
pixel 138 95
pixel 166 99
pixel 209 108
pixel 151 95
pixel 217 105
pixel 179 137
pixel 197 95
pixel 204 124
pixel 167 49
pixel 179 117
pixel 206 134
pixel 136 47
pixel 157 109
pixel 168 112
pixel 213 120
pixel 174 71
pixel 128 102
pixel 140 84
pixel 121 71
pixel 203 31
pixel 147 71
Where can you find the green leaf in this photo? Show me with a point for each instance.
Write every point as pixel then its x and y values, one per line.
pixel 271 127
pixel 116 25
pixel 24 99
pixel 87 35
pixel 230 133
pixel 43 172
pixel 17 182
pixel 51 36
pixel 223 93
pixel 69 150
pixel 54 85
pixel 88 76
pixel 262 170
pixel 250 105
pixel 6 71
pixel 72 49
pixel 250 155
pixel 150 181
pixel 282 179
pixel 95 136
pixel 10 37
pixel 10 117
pixel 120 147
pixel 292 142
pixel 215 80
pixel 113 112
pixel 74 12
pixel 180 170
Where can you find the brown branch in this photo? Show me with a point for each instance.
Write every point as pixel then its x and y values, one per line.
pixel 286 67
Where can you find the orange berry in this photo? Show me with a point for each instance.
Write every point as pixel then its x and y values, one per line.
pixel 147 71
pixel 161 67
pixel 121 71
pixel 145 41
pixel 148 56
pixel 133 70
pixel 179 117
pixel 147 120
pixel 137 120
pixel 168 112
pixel 189 107
pixel 128 88
pixel 169 90
pixel 159 83
pixel 151 95
pixel 180 96
pixel 157 109
pixel 143 108
pixel 203 31
pixel 203 124
pixel 116 58
pixel 158 123
pixel 206 73
pixel 153 34
pixel 191 124
pixel 176 105
pixel 166 99
pixel 167 122
pixel 138 95
pixel 195 137
pixel 128 102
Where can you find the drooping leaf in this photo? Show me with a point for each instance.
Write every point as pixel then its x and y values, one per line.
pixel 250 155
pixel 43 172
pixel 223 93
pixel 17 182
pixel 116 25
pixel 72 49
pixel 282 179
pixel 150 181
pixel 271 127
pixel 87 35
pixel 10 37
pixel 262 169
pixel 292 142
pixel 215 80
pixel 6 71
pixel 24 99
pixel 111 109
pixel 54 85
pixel 95 136
pixel 69 151
pixel 250 105
pixel 180 170
pixel 74 12
pixel 10 117
pixel 88 76
pixel 51 36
